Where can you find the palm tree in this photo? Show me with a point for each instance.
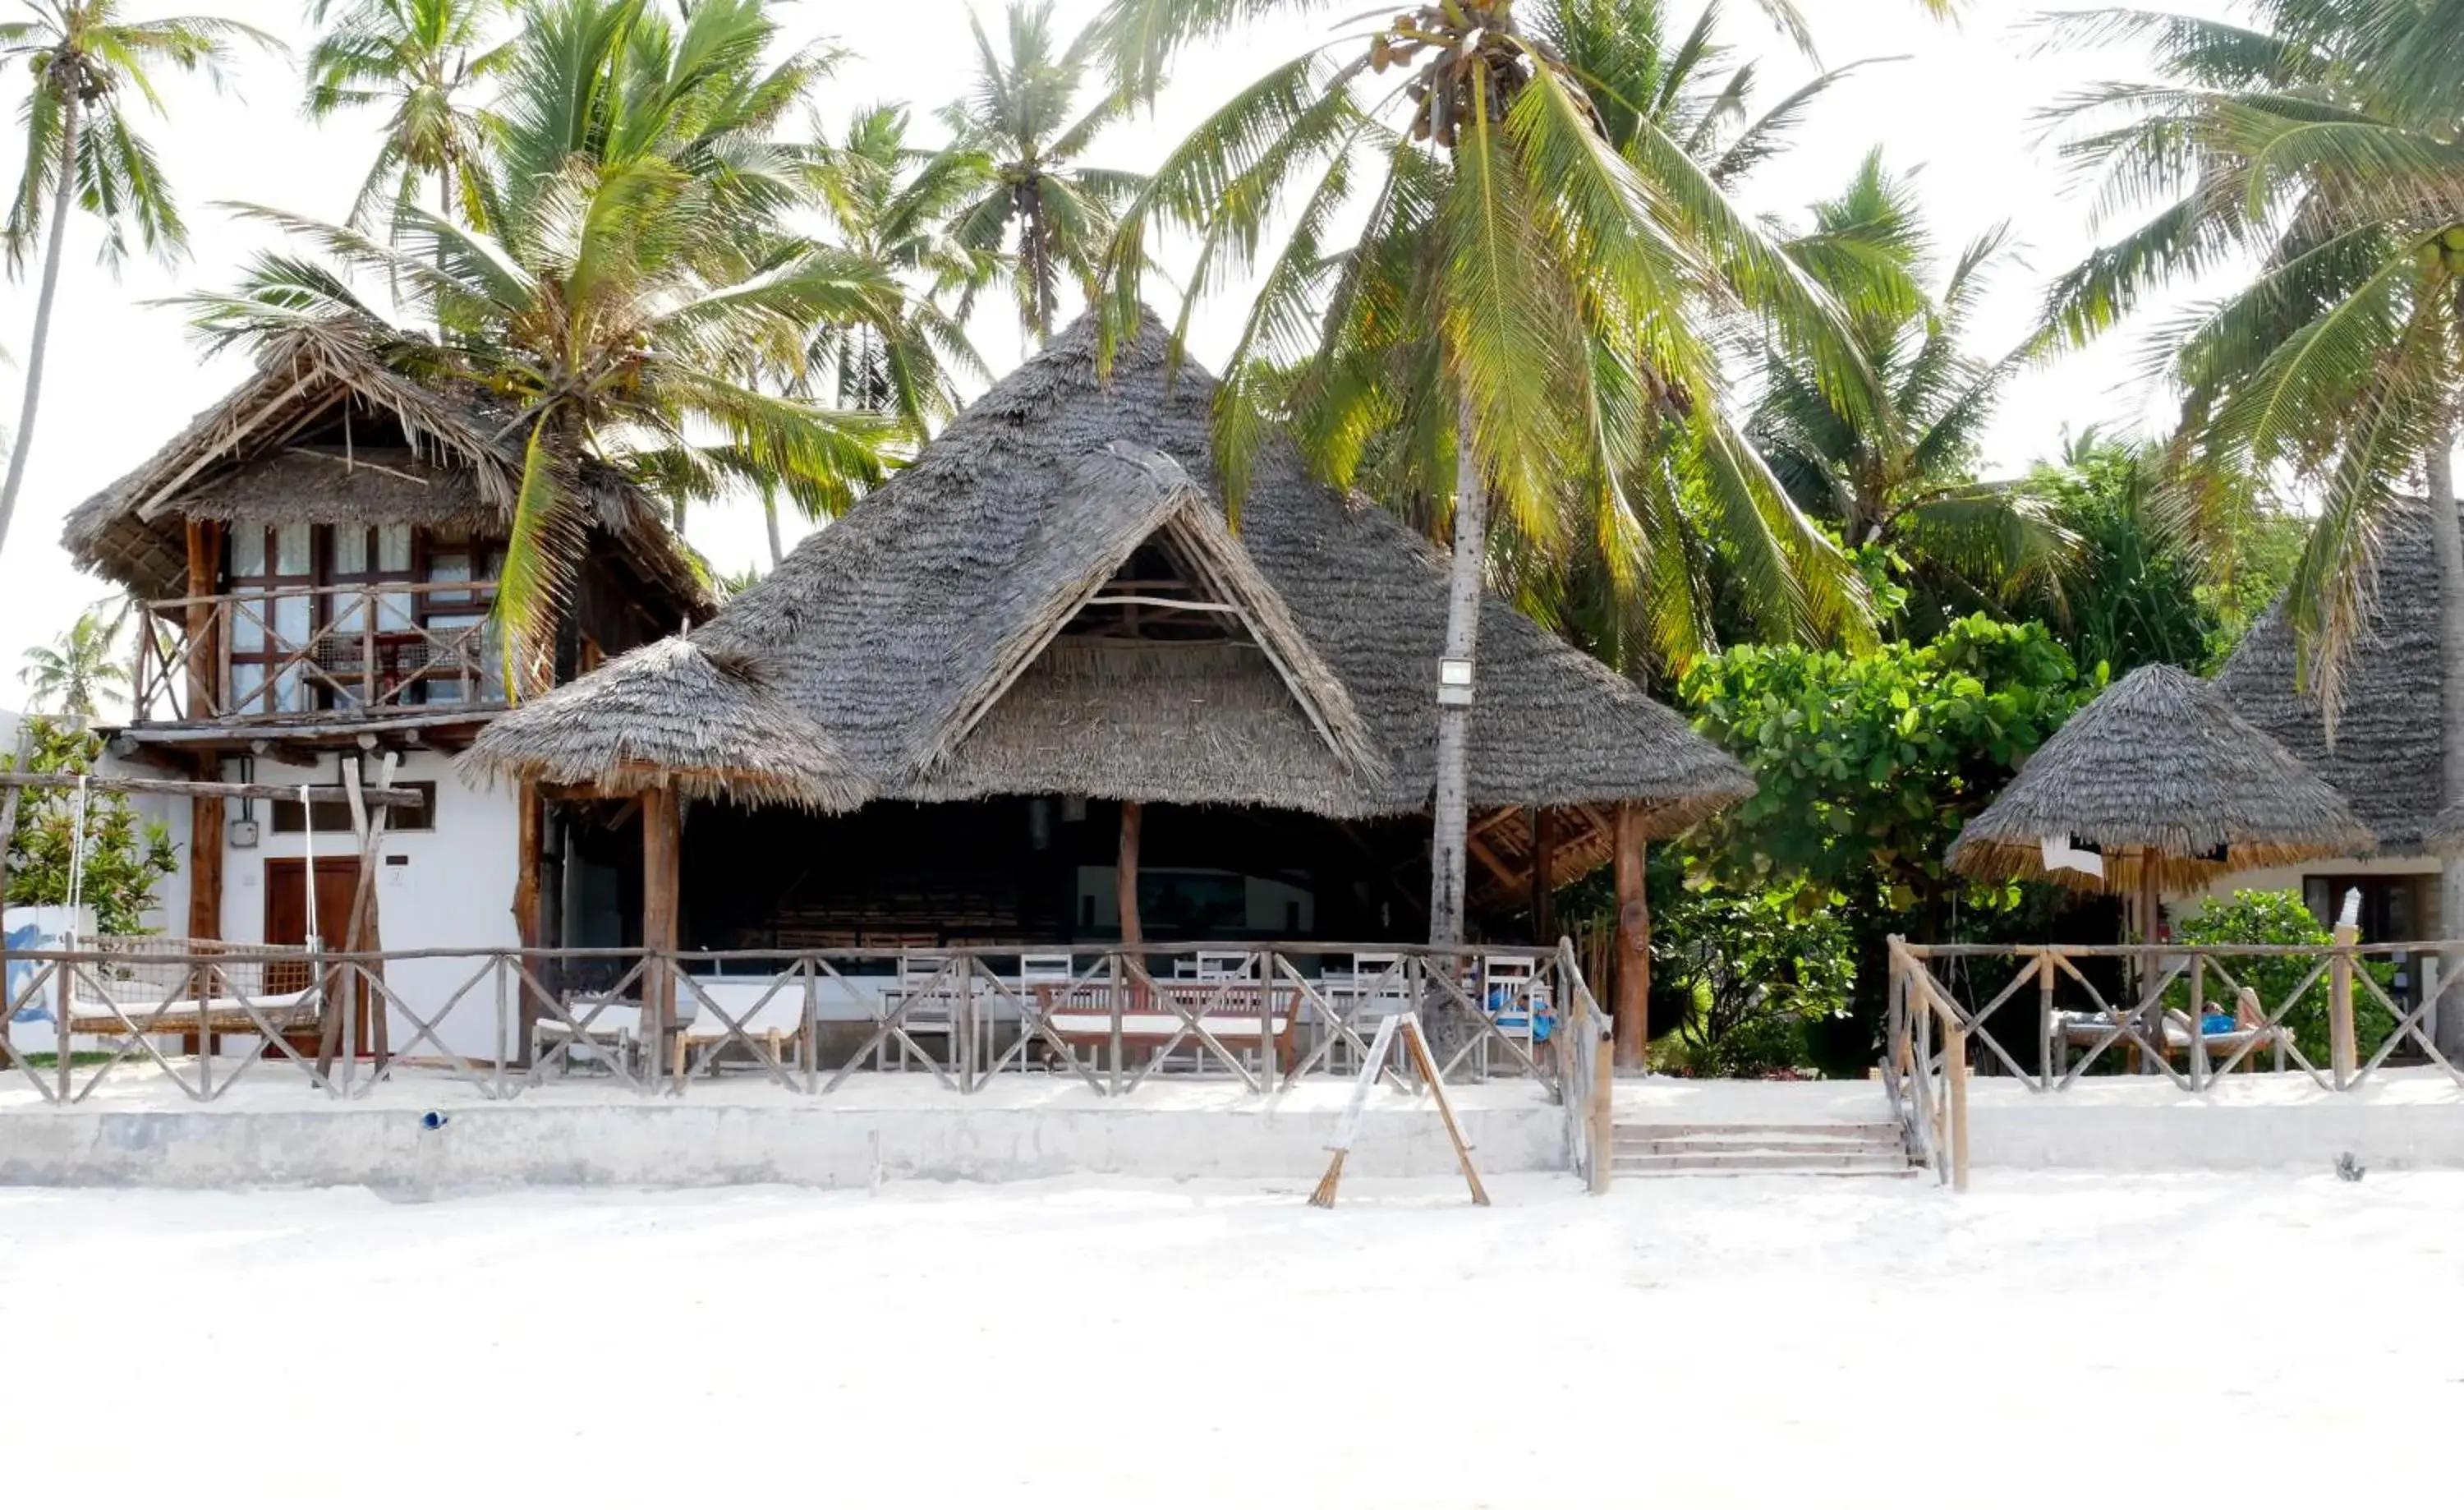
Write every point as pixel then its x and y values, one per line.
pixel 82 148
pixel 1020 128
pixel 618 291
pixel 2324 144
pixel 1532 311
pixel 419 60
pixel 888 205
pixel 1902 478
pixel 77 670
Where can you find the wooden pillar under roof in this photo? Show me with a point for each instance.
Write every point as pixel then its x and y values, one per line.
pixel 1632 970
pixel 1125 875
pixel 661 847
pixel 205 540
pixel 205 855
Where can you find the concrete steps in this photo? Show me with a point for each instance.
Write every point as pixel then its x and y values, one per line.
pixel 1688 1148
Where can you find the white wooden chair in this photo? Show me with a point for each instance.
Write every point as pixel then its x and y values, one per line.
pixel 1377 988
pixel 927 981
pixel 1034 970
pixel 1227 967
pixel 1515 998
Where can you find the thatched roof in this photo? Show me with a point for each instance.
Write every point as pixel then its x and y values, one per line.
pixel 672 713
pixel 920 628
pixel 240 459
pixel 2159 769
pixel 2388 748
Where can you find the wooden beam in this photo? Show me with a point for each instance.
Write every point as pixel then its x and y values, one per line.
pixel 1125 873
pixel 661 846
pixel 161 786
pixel 1632 972
pixel 1506 874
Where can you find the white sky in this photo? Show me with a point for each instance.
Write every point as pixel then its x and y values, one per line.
pixel 124 373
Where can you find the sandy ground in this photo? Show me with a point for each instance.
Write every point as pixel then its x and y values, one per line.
pixel 2047 1341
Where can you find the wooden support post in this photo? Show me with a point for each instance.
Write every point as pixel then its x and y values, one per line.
pixel 1124 875
pixel 1633 972
pixel 527 827
pixel 1544 871
pixel 205 655
pixel 1955 1054
pixel 205 856
pixel 2344 1054
pixel 661 844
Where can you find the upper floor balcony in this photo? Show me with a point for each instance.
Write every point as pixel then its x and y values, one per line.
pixel 285 652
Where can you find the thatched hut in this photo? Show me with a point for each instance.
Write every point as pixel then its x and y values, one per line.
pixel 2167 786
pixel 2389 744
pixel 313 561
pixel 1044 625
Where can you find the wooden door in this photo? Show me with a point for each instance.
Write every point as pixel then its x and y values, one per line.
pixel 286 920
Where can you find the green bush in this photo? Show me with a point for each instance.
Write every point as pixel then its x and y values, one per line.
pixel 2281 917
pixel 1750 974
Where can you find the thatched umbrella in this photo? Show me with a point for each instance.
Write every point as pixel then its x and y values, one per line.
pixel 2170 786
pixel 673 714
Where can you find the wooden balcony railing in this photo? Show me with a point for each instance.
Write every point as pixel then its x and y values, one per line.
pixel 287 651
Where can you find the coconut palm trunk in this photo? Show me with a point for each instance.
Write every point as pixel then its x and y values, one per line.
pixel 1449 841
pixel 2446 538
pixel 63 195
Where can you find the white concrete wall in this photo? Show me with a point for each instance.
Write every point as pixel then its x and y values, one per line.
pixel 453 891
pixel 660 1144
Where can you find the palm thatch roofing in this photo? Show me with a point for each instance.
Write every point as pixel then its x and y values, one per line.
pixel 925 631
pixel 2159 770
pixel 2388 748
pixel 243 459
pixel 671 714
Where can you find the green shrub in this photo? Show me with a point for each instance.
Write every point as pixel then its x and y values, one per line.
pixel 2282 916
pixel 1750 973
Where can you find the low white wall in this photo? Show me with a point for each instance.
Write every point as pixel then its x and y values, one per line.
pixel 2049 1134
pixel 653 1144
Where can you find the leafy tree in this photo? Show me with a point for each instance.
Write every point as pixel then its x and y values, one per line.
pixel 1531 311
pixel 2322 144
pixel 1867 767
pixel 625 273
pixel 82 149
pixel 1020 132
pixel 420 61
pixel 77 672
pixel 125 857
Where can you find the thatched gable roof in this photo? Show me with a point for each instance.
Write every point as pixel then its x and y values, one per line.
pixel 2159 768
pixel 919 629
pixel 2388 748
pixel 236 460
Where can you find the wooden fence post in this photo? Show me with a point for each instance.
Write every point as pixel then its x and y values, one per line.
pixel 1954 1049
pixel 2339 1006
